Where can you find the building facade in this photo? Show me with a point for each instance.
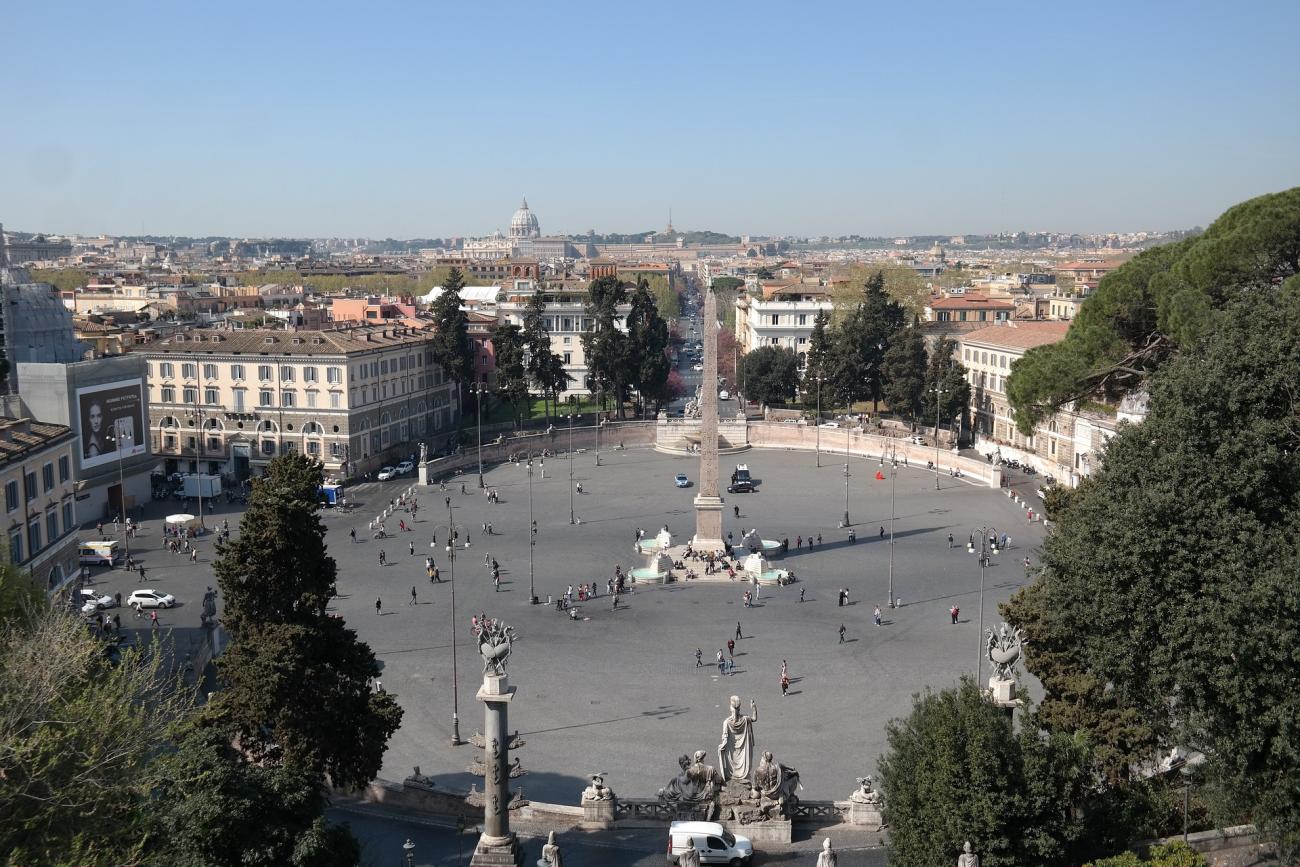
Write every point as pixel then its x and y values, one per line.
pixel 782 315
pixel 39 482
pixel 355 398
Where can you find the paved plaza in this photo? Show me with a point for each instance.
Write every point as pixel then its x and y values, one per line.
pixel 618 691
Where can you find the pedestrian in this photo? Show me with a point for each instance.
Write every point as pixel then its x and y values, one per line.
pixel 722 662
pixel 153 619
pixel 801 589
pixel 842 631
pixel 437 575
pixel 798 541
pixel 954 612
pixel 819 538
pixel 731 648
pixel 614 607
pixel 496 581
pixel 698 658
pixel 785 684
pixel 876 615
pixel 490 531
pixel 378 605
pixel 194 555
pixel 841 598
pixel 412 602
pixel 383 559
pixel 882 531
pixel 1026 562
pixel 738 635
pixel 141 581
pixel 950 540
pixel 737 510
pixel 352 534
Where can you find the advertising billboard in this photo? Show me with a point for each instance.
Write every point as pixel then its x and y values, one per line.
pixel 112 420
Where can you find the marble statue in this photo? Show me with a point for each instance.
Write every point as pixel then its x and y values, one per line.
pixel 209 614
pixel 866 793
pixel 967 857
pixel 694 790
pixel 424 453
pixel 1005 647
pixel 736 752
pixel 827 856
pixel 598 791
pixel 777 785
pixel 494 643
pixel 690 857
pixel 551 856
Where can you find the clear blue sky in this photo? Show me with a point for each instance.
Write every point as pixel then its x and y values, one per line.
pixel 431 119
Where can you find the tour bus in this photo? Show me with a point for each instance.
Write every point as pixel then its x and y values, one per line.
pixel 99 553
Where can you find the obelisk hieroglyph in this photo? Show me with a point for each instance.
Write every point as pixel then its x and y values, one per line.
pixel 708 504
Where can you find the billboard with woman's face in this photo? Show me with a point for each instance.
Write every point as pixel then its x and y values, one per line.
pixel 112 417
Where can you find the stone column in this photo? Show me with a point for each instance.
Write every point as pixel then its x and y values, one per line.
pixel 498 844
pixel 708 503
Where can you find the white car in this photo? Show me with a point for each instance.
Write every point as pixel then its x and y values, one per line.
pixel 697 368
pixel 724 395
pixel 387 473
pixel 916 440
pixel 92 601
pixel 405 467
pixel 151 599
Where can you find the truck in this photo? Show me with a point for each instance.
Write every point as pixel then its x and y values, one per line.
pixel 201 485
pixel 330 494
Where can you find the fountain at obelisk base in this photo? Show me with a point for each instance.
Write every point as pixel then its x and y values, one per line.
pixel 708 503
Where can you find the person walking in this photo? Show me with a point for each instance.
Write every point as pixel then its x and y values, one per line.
pixel 785 684
pixel 950 540
pixel 141 581
pixel 882 531
pixel 731 648
pixel 412 602
pixel 699 654
pixel 412 544
pixel 842 631
pixel 437 575
pixel 737 510
pixel 876 615
pixel 383 559
pixel 378 605
pixel 955 612
pixel 153 619
pixel 738 635
pixel 352 534
pixel 722 662
pixel 798 541
pixel 801 590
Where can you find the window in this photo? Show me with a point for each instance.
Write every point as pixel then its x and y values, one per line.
pixel 11 496
pixel 65 468
pixel 189 442
pixel 336 449
pixel 214 444
pixel 286 398
pixel 268 447
pixel 335 400
pixel 776 319
pixel 188 370
pixel 568 341
pixel 264 373
pixel 266 398
pixel 238 394
pixel 313 447
pixel 166 369
pixel 51 524
pixel 16 545
pixel 803 340
pixel 47 476
pixel 286 373
pixel 211 397
pixel 334 374
pixel 169 441
pixel 168 394
pixel 236 371
pixel 383 366
pixel 309 374
pixel 34 537
pixel 311 398
pixel 209 371
pixel 190 394
pixel 29 485
pixel 69 519
pixel 287 447
pixel 568 358
pixel 803 318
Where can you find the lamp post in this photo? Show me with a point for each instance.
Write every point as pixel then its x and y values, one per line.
pixel 455 674
pixel 938 391
pixel 893 484
pixel 120 439
pixel 532 538
pixel 600 422
pixel 572 416
pixel 847 412
pixel 819 419
pixel 986 548
pixel 478 408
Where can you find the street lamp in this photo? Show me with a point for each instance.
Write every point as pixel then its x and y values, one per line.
pixel 478 408
pixel 893 484
pixel 455 674
pixel 532 529
pixel 572 416
pixel 938 392
pixel 988 545
pixel 819 419
pixel 120 439
pixel 600 422
pixel 408 849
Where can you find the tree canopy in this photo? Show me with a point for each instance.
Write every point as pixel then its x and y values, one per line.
pixel 770 374
pixel 1166 609
pixel 451 348
pixel 903 370
pixel 1159 302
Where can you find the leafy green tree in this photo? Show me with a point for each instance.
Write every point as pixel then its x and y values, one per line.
pixel 1165 608
pixel 948 375
pixel 1159 302
pixel 451 346
pixel 956 770
pixel 76 736
pixel 1175 854
pixel 545 367
pixel 608 350
pixel 295 683
pixel 816 371
pixel 903 371
pixel 771 374
pixel 858 342
pixel 647 334
pixel 511 372
pixel 212 807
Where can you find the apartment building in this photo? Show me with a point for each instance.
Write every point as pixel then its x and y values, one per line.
pixel 565 319
pixel 36 474
pixel 356 398
pixel 780 314
pixel 969 307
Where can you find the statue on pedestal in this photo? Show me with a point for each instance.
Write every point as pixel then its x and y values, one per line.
pixel 551 856
pixel 736 752
pixel 1005 647
pixel 494 642
pixel 691 856
pixel 776 784
pixel 209 615
pixel 866 793
pixel 967 857
pixel 598 791
pixel 827 856
pixel 693 793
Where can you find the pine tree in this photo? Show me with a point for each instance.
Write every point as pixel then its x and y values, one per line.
pixel 451 348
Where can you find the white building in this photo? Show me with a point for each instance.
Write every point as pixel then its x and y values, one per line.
pixel 780 314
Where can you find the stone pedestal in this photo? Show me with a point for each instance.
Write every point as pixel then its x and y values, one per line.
pixel 1003 691
pixel 498 844
pixel 424 473
pixel 597 813
pixel 497 852
pixel 866 815
pixel 764 831
pixel 708 524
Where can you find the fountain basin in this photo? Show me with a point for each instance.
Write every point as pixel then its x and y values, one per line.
pixel 648 575
pixel 772 576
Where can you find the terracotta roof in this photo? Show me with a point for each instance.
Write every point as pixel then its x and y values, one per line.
pixel 1019 335
pixel 22 436
pixel 970 299
pixel 275 342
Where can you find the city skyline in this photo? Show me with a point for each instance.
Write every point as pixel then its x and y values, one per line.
pixel 311 121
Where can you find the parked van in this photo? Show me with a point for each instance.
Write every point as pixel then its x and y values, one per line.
pixel 715 843
pixel 99 553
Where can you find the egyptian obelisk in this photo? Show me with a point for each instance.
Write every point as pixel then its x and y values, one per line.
pixel 708 504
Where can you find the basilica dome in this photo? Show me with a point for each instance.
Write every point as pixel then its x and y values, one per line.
pixel 524 223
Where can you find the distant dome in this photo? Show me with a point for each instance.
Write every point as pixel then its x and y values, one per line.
pixel 524 223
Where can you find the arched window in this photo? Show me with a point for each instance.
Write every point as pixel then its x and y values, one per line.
pixel 169 421
pixel 266 426
pixel 213 424
pixel 312 428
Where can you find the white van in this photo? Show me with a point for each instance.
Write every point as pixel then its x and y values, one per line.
pixel 715 843
pixel 98 553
